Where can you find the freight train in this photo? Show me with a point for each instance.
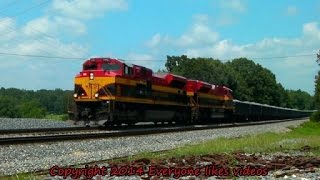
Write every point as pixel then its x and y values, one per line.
pixel 111 92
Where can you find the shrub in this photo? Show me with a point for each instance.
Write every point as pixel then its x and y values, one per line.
pixel 315 117
pixel 64 117
pixel 58 117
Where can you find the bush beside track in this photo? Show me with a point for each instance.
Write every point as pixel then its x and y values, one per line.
pixel 315 117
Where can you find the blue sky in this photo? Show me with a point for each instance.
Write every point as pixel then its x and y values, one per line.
pixel 145 32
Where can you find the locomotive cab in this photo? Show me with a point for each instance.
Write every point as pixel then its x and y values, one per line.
pixel 103 82
pixel 102 66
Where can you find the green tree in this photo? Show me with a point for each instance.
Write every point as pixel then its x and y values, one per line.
pixel 8 107
pixel 33 104
pixel 173 61
pixel 300 99
pixel 32 109
pixel 317 92
pixel 260 83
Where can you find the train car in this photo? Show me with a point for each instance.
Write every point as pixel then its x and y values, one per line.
pixel 242 110
pixel 109 91
pixel 209 103
pixel 250 111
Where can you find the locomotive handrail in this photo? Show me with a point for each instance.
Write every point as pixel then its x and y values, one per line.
pixel 106 91
pixel 193 102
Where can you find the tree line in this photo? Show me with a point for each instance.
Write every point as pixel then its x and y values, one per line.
pixel 17 103
pixel 248 80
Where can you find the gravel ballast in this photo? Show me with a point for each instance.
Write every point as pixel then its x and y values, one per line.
pixel 41 156
pixel 26 123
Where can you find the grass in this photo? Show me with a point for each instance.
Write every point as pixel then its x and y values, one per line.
pixel 307 134
pixel 23 176
pixel 58 117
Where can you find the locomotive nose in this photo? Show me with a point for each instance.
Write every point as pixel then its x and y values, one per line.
pixel 86 91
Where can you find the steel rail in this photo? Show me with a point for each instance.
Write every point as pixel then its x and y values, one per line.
pixel 124 133
pixel 44 130
pixel 71 129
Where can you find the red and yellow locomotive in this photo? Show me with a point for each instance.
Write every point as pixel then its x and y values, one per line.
pixel 109 91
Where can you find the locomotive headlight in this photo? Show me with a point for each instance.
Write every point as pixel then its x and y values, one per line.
pixel 91 76
pixel 75 95
pixel 96 95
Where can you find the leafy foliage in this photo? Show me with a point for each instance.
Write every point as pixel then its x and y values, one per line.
pixel 15 103
pixel 8 107
pixel 317 91
pixel 261 85
pixel 300 100
pixel 317 86
pixel 315 116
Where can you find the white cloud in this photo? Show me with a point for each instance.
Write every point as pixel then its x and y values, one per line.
pixel 230 12
pixel 70 25
pixel 42 24
pixel 292 72
pixel 222 49
pixel 7 29
pixel 80 9
pixel 291 11
pixel 70 17
pixel 42 36
pixel 139 57
pixel 235 5
pixel 199 33
pixel 201 40
pixel 226 19
pixel 311 30
pixel 54 26
pixel 40 46
pixel 50 47
pixel 146 60
pixel 154 41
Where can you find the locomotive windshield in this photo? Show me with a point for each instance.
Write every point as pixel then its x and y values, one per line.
pixel 90 67
pixel 110 67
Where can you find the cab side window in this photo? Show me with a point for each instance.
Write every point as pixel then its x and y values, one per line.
pixel 128 70
pixel 143 71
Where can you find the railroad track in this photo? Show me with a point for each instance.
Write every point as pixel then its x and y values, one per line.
pixel 45 130
pixel 122 133
pixel 68 129
pixel 64 130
